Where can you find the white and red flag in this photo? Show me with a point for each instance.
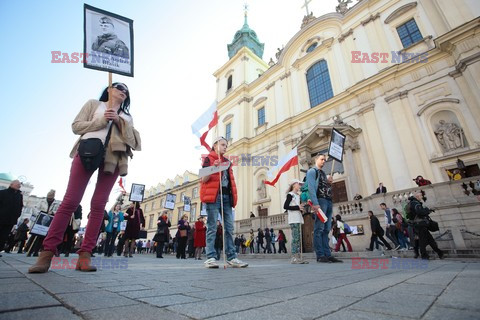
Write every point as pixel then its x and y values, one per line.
pixel 290 160
pixel 320 214
pixel 121 183
pixel 210 118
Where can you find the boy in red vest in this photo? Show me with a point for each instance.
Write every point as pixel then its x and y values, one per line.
pixel 210 195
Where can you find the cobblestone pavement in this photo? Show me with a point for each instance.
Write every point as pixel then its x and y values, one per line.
pixel 144 288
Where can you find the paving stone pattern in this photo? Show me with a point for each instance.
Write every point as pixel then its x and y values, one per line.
pixel 145 288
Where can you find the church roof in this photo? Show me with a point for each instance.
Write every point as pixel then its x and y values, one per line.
pixel 245 37
pixel 6 176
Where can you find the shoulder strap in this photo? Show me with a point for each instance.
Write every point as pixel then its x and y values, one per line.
pixel 107 138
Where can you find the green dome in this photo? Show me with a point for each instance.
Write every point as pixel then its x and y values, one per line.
pixel 6 176
pixel 245 37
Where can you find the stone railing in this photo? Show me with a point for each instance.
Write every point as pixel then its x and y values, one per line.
pixel 456 204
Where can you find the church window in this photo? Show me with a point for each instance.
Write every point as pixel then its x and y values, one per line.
pixel 319 84
pixel 311 47
pixel 409 33
pixel 228 131
pixel 229 83
pixel 261 116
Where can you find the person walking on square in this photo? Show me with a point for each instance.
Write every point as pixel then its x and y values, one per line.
pixel 214 197
pixel 182 235
pixel 135 223
pixel 377 232
pixel 420 214
pixel 163 234
pixel 342 236
pixel 260 237
pixel 199 237
pixel 11 204
pixel 93 122
pixel 320 193
pixel 390 229
pixel 281 242
pixel 268 239
pixel 21 235
pixel 115 219
pixel 295 220
pixel 251 245
pixel 274 239
pixel 50 207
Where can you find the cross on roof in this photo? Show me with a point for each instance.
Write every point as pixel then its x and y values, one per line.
pixel 306 6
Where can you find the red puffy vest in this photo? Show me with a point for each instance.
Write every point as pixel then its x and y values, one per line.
pixel 210 189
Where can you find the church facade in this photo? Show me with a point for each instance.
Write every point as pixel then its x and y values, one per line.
pixel 399 78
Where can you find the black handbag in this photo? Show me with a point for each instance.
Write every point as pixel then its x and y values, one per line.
pixel 159 237
pixel 92 151
pixel 432 225
pixel 142 234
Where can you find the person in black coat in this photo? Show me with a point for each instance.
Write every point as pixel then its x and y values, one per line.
pixel 163 233
pixel 21 235
pixel 377 232
pixel 11 204
pixel 260 237
pixel 421 214
pixel 381 189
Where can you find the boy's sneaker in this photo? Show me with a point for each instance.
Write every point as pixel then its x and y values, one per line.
pixel 211 263
pixel 236 263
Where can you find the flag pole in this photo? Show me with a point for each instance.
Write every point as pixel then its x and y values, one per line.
pixel 301 212
pixel 221 202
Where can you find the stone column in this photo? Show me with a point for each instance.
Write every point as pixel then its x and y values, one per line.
pixel 392 146
pixel 350 145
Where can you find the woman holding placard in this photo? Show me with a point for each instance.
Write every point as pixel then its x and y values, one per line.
pixel 107 137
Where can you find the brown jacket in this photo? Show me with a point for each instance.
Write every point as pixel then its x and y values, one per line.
pixel 122 139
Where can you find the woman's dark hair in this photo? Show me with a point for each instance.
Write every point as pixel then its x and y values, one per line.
pixel 125 107
pixel 338 217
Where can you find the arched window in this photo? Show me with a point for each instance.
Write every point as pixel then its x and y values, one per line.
pixel 312 47
pixel 319 84
pixel 229 82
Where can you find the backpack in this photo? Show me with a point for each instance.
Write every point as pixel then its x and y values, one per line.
pixel 304 196
pixel 346 228
pixel 409 214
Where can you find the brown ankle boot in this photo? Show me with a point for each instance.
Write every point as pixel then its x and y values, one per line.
pixel 84 262
pixel 43 263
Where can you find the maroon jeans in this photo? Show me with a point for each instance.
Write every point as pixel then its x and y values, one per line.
pixel 77 184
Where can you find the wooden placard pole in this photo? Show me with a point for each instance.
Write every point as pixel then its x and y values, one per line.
pixel 110 88
pixel 301 224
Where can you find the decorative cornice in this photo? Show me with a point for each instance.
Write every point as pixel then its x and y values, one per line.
pixel 271 84
pixel 259 101
pixel 346 34
pixel 245 99
pixel 396 96
pixel 365 109
pixel 447 100
pixel 371 18
pixel 400 11
pixel 227 118
pixel 285 75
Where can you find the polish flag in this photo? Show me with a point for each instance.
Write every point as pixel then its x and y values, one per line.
pixel 290 160
pixel 210 118
pixel 320 214
pixel 121 183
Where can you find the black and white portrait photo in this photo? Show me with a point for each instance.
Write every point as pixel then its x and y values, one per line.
pixel 108 41
pixel 335 149
pixel 137 192
pixel 42 224
pixel 170 201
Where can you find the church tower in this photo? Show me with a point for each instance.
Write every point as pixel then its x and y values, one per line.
pixel 245 61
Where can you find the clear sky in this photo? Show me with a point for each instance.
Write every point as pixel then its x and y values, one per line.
pixel 178 46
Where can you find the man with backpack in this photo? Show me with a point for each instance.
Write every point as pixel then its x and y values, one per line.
pixel 320 193
pixel 420 216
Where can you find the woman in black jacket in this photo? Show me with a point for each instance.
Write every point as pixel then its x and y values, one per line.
pixel 163 233
pixel 377 232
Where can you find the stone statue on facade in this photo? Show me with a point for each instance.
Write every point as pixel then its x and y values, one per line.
pixel 449 135
pixel 342 6
pixel 279 52
pixel 262 190
pixel 306 19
